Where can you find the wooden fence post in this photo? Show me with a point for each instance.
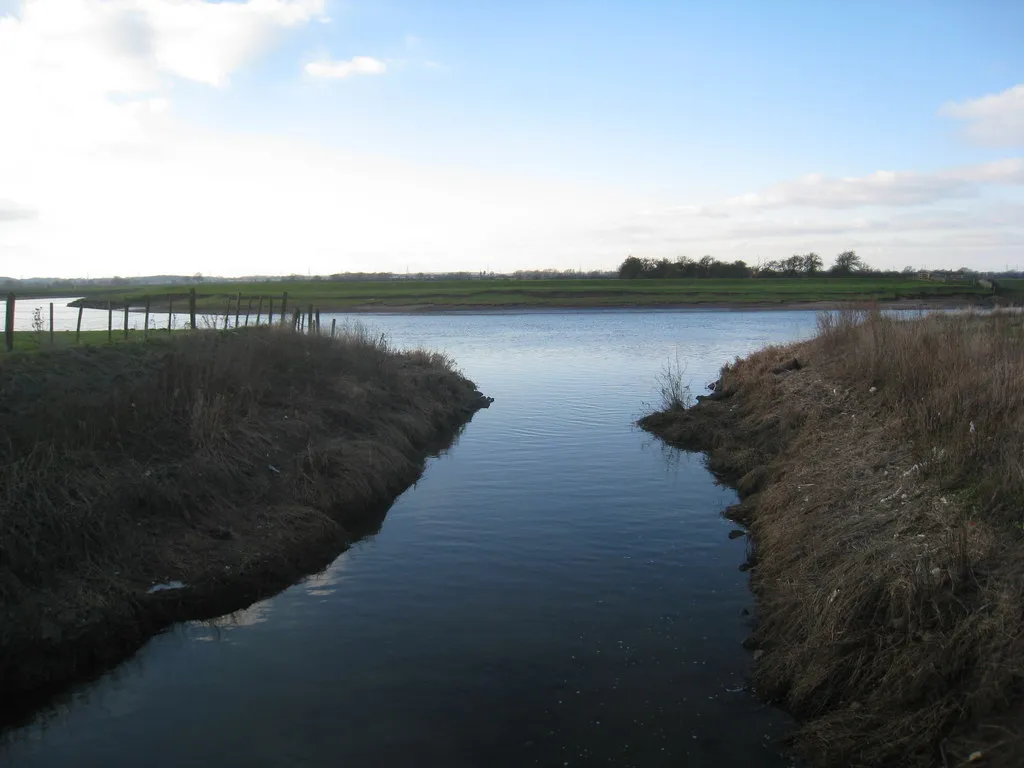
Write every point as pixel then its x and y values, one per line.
pixel 145 327
pixel 238 307
pixel 284 307
pixel 51 322
pixel 309 322
pixel 259 312
pixel 110 321
pixel 270 312
pixel 170 313
pixel 126 319
pixel 295 320
pixel 334 322
pixel 227 314
pixel 9 323
pixel 248 311
pixel 78 326
pixel 192 308
pixel 318 322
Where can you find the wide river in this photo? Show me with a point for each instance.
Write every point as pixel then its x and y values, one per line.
pixel 559 589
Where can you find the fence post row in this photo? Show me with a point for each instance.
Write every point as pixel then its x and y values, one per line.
pixel 302 321
pixel 9 323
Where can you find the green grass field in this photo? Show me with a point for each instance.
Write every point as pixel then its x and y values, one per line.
pixel 34 341
pixel 507 293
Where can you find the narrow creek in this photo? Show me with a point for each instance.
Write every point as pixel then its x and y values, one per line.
pixel 558 589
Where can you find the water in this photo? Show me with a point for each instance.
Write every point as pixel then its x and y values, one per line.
pixel 65 318
pixel 558 589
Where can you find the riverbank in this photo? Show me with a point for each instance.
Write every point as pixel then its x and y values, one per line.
pixel 512 294
pixel 906 304
pixel 879 471
pixel 190 476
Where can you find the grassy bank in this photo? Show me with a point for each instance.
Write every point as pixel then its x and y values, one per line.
pixel 881 471
pixel 37 341
pixel 440 295
pixel 230 463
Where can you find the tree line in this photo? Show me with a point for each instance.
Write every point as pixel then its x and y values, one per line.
pixel 797 265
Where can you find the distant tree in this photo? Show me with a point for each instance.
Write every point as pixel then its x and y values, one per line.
pixel 631 268
pixel 663 268
pixel 847 263
pixel 793 266
pixel 197 277
pixel 909 270
pixel 682 267
pixel 812 263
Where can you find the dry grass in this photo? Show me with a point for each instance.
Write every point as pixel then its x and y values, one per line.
pixel 231 461
pixel 888 558
pixel 955 382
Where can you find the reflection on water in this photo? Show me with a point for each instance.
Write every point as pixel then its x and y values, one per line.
pixel 558 589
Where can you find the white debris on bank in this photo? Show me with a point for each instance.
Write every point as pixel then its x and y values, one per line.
pixel 165 586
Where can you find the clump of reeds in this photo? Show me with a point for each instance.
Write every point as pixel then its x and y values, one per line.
pixel 674 386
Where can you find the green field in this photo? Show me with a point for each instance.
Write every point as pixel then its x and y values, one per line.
pixel 426 295
pixel 32 341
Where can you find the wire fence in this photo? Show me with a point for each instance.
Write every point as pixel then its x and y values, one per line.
pixel 71 320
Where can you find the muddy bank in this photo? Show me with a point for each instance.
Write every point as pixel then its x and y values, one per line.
pixel 184 478
pixel 877 469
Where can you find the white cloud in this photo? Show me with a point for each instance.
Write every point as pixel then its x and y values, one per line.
pixel 995 120
pixel 99 172
pixel 971 215
pixel 358 65
pixel 206 41
pixel 74 73
pixel 883 188
pixel 11 212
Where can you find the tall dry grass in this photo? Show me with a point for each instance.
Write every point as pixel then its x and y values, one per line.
pixel 955 380
pixel 883 485
pixel 899 632
pixel 190 458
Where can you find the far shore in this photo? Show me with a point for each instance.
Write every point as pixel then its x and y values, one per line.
pixel 912 304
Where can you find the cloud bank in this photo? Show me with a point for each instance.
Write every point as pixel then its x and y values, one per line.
pixel 996 120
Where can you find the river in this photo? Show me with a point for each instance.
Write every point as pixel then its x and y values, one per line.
pixel 559 589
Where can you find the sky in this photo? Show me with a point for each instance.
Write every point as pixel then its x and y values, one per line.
pixel 250 137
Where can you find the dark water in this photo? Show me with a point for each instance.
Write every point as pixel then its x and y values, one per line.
pixel 558 590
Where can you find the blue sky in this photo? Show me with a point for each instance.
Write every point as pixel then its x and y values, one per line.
pixel 302 135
